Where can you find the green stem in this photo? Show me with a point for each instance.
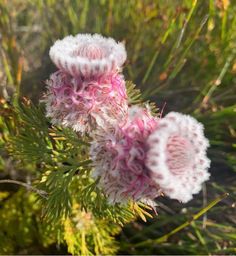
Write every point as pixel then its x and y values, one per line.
pixel 187 223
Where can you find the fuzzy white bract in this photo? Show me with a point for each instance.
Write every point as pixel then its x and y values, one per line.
pixel 177 156
pixel 118 155
pixel 88 55
pixel 86 105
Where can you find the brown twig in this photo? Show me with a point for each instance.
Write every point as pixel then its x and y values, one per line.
pixel 40 192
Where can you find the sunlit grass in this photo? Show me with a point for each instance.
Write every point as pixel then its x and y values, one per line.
pixel 182 55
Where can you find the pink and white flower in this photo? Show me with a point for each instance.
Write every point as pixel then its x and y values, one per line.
pixel 88 55
pixel 119 155
pixel 177 156
pixel 86 105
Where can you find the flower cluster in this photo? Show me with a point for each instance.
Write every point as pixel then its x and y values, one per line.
pixel 87 91
pixel 119 156
pixel 136 156
pixel 88 55
pixel 85 105
pixel 177 156
pixel 148 156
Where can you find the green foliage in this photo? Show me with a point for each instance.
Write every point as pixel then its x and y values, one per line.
pixel 93 233
pixel 200 236
pixel 135 98
pixel 21 226
pixel 31 141
pixel 59 160
pixel 179 52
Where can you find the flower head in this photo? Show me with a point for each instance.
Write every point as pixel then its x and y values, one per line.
pixel 177 156
pixel 119 156
pixel 86 105
pixel 88 55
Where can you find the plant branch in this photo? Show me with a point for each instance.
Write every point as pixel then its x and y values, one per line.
pixel 40 192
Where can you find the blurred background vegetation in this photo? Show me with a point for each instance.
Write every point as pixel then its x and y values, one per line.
pixel 182 56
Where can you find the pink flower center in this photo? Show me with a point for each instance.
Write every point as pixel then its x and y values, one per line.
pixel 90 51
pixel 180 154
